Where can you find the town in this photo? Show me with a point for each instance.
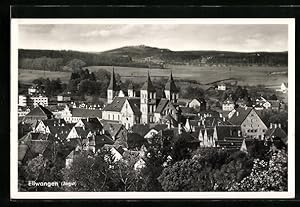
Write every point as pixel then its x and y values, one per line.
pixel 140 131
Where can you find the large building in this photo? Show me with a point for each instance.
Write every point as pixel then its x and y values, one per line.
pixel 146 109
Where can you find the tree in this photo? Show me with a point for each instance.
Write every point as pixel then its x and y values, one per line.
pixel 76 64
pixel 90 173
pixel 156 155
pixel 266 175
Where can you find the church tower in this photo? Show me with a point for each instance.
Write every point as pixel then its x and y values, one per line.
pixel 112 88
pixel 171 91
pixel 148 101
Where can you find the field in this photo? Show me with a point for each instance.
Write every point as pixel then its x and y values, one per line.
pixel 244 75
pixel 268 76
pixel 27 76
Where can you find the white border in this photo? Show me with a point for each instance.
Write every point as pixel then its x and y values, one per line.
pixel 14 194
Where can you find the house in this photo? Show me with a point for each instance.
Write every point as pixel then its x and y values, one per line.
pixel 73 115
pixel 113 129
pixel 70 158
pixel 91 124
pixel 123 110
pixel 283 88
pixel 275 132
pixel 155 130
pixel 39 113
pixel 166 107
pixel 22 100
pixel 221 87
pixel 251 124
pixel 38 100
pixel 44 126
pixel 228 104
pixel 198 103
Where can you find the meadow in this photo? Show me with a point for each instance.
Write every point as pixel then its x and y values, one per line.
pixel 248 75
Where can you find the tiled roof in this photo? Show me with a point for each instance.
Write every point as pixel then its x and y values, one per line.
pixel 188 110
pixel 116 104
pixel 39 111
pixel 240 115
pixel 112 128
pixel 101 140
pixel 161 105
pixel 135 105
pixel 54 122
pixel 81 132
pixel 276 132
pixel 86 113
pixel 141 129
pixel 92 124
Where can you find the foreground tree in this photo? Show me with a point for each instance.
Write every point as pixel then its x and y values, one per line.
pixel 266 175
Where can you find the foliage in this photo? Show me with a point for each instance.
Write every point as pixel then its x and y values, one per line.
pixel 51 87
pixel 191 92
pixel 208 170
pixel 101 172
pixel 156 155
pixel 266 175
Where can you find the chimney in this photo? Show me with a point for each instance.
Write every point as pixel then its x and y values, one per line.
pixel 179 128
pixel 279 125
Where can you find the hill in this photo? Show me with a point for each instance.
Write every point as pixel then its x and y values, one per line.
pixel 144 56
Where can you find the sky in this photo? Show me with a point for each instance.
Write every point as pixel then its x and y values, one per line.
pixel 176 37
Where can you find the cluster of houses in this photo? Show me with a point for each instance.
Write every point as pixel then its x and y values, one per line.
pixel 128 123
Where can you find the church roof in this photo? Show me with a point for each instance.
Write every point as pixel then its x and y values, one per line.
pixel 148 85
pixel 116 105
pixel 170 85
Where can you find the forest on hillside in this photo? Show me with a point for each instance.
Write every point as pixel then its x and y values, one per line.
pixel 66 60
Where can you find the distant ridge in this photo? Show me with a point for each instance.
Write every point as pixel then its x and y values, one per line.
pixel 146 56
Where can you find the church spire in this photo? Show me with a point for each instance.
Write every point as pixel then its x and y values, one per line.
pixel 112 84
pixel 170 85
pixel 148 86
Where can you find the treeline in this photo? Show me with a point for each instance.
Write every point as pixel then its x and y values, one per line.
pixel 54 60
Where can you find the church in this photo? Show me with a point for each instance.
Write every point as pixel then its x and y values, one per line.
pixel 146 109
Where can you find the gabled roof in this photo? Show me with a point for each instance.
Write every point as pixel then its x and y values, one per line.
pixel 54 122
pixel 148 86
pixel 240 115
pixel 101 140
pixel 161 105
pixel 86 113
pixel 116 104
pixel 188 110
pixel 141 129
pixel 92 124
pixel 135 105
pixel 170 85
pixel 112 128
pixel 39 111
pixel 82 133
pixel 276 132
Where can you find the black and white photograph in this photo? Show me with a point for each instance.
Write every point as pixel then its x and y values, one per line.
pixel 153 108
